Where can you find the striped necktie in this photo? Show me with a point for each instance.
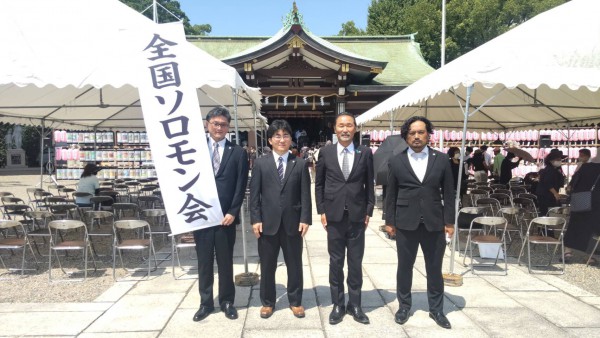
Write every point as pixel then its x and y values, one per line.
pixel 216 160
pixel 280 169
pixel 345 164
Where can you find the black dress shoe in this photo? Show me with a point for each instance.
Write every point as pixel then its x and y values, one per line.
pixel 230 311
pixel 202 313
pixel 357 313
pixel 401 316
pixel 337 314
pixel 440 319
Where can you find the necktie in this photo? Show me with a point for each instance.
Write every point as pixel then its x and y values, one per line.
pixel 216 160
pixel 345 164
pixel 280 169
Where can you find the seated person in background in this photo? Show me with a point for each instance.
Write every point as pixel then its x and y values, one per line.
pixel 508 164
pixel 88 183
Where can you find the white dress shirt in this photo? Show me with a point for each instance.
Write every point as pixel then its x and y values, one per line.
pixel 211 147
pixel 340 153
pixel 276 156
pixel 418 162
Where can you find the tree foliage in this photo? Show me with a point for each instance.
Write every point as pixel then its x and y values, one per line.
pixel 349 29
pixel 469 23
pixel 164 16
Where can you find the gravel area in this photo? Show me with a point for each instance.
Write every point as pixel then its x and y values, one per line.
pixel 34 287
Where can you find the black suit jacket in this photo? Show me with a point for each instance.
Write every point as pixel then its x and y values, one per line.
pixel 273 202
pixel 333 192
pixel 231 179
pixel 407 199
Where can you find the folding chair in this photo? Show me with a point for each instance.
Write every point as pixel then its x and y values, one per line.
pixel 40 199
pixel 127 237
pixel 528 206
pixel 99 224
pixel 39 227
pixel 490 205
pixel 465 217
pixel 476 194
pixel 16 243
pixel 101 203
pixel 518 189
pixel 65 211
pixel 504 191
pixel 498 223
pixel 16 211
pixel 178 243
pixel 514 220
pixel 555 223
pixel 149 202
pixel 56 187
pixel 80 242
pixel 497 186
pixel 126 211
pixel 157 218
pixel 31 196
pixel 504 199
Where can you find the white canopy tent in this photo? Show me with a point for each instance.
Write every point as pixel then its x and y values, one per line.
pixel 543 73
pixel 63 65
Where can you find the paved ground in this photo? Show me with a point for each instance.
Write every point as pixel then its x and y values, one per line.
pixel 519 304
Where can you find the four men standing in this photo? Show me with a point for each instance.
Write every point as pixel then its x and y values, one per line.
pixel 419 206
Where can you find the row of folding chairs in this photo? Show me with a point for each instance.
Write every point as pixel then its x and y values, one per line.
pixel 495 230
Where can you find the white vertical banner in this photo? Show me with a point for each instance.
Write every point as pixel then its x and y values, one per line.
pixel 176 130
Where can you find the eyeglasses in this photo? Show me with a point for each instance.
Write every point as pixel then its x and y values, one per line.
pixel 280 137
pixel 219 125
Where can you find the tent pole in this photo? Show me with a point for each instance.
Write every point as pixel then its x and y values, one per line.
pixel 460 171
pixel 42 155
pixel 255 136
pixel 235 114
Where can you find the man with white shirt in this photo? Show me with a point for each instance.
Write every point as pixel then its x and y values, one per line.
pixel 420 211
pixel 280 212
pixel 345 194
pixel 230 167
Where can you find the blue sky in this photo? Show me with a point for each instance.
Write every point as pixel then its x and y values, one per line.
pixel 263 17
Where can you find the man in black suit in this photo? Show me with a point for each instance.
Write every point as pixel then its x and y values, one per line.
pixel 420 210
pixel 344 189
pixel 230 166
pixel 280 212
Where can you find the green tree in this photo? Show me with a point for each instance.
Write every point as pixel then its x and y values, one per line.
pixel 469 23
pixel 349 29
pixel 164 16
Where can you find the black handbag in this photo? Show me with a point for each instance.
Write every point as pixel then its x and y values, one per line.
pixel 582 201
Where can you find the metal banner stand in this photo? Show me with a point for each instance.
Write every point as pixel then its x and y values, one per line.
pixel 246 278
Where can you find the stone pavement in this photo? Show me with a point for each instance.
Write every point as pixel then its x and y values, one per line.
pixel 519 304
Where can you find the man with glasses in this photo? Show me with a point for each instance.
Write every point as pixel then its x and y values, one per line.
pixel 230 167
pixel 344 189
pixel 280 212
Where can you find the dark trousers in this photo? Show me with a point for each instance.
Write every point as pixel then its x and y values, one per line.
pixel 219 240
pixel 433 245
pixel 342 236
pixel 268 251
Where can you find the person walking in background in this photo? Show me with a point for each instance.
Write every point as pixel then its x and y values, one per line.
pixel 550 181
pixel 508 164
pixel 420 211
pixel 498 158
pixel 345 194
pixel 584 225
pixel 230 166
pixel 487 159
pixel 479 166
pixel 280 213
pixel 454 155
pixel 584 157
